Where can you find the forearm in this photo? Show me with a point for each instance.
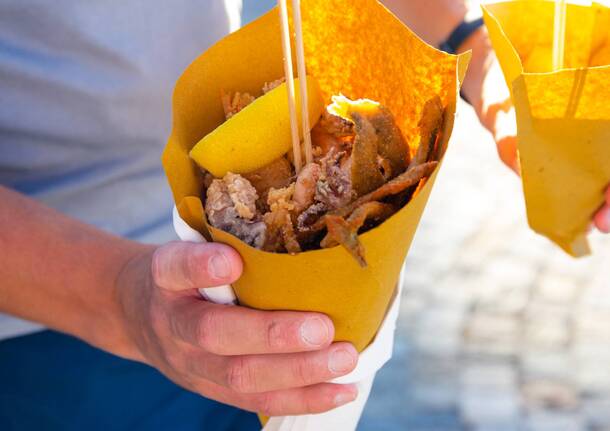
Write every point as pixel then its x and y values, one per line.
pixel 60 272
pixel 432 20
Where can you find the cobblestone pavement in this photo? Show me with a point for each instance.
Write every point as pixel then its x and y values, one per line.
pixel 499 330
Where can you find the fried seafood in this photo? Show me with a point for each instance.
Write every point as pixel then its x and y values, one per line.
pixel 362 173
pixel 345 232
pixel 305 186
pixel 340 232
pixel 276 175
pixel 429 129
pixel 233 104
pixel 230 206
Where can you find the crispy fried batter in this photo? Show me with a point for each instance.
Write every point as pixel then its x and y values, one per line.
pixel 222 214
pixel 276 175
pixel 366 175
pixel 281 198
pixel 305 186
pixel 385 167
pixel 430 126
pixel 233 104
pixel 341 233
pixel 369 211
pixel 334 187
pixel 395 186
pixel 273 84
pixel 335 125
pixel 242 194
pixel 280 230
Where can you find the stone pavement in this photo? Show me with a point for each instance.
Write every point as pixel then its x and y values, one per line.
pixel 499 330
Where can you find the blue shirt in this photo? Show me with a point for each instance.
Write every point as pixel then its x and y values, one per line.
pixel 85 105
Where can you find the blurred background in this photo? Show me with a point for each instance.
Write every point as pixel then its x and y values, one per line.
pixel 499 330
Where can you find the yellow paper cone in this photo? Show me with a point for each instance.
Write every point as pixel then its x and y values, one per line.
pixel 563 118
pixel 355 47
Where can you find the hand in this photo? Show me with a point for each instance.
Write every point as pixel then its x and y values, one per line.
pixel 273 363
pixel 497 113
pixel 601 220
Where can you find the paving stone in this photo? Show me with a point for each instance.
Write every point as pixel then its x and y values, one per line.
pixel 552 421
pixel 488 377
pixel 547 364
pixel 543 394
pixel 596 412
pixel 490 409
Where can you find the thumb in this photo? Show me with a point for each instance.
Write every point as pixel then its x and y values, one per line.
pixel 186 265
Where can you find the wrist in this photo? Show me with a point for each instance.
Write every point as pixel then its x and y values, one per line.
pixel 110 329
pixel 482 59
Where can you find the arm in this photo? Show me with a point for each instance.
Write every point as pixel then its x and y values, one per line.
pixel 140 302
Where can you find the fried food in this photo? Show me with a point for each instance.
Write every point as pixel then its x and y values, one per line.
pixel 275 175
pixel 305 186
pixel 232 104
pixel 408 179
pixel 229 208
pixel 376 211
pixel 362 173
pixel 340 232
pixel 430 126
pixel 273 84
pixel 366 175
pixel 281 235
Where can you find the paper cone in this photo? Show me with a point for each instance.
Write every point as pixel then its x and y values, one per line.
pixel 354 47
pixel 563 118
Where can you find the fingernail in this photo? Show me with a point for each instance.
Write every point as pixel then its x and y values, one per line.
pixel 341 361
pixel 219 266
pixel 345 397
pixel 314 332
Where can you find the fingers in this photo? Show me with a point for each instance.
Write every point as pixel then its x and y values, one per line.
pixel 310 400
pixel 184 265
pixel 263 373
pixel 230 331
pixel 506 139
pixel 601 220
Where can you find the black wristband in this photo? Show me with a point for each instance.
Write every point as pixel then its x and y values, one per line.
pixel 460 34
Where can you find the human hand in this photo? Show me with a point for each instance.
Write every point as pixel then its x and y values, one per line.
pixel 601 220
pixel 271 362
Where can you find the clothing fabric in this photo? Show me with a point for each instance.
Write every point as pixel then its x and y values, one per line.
pixel 85 91
pixel 53 382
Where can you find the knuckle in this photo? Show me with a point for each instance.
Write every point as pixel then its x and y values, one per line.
pixel 266 405
pixel 275 335
pixel 240 376
pixel 156 267
pixel 302 370
pixel 207 331
pixel 192 268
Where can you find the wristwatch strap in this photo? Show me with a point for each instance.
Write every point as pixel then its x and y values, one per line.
pixel 460 34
